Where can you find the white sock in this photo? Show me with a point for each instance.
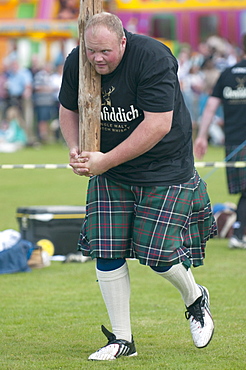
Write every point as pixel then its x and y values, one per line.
pixel 115 289
pixel 184 281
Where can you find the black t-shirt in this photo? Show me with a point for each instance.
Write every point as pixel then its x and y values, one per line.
pixel 145 80
pixel 231 89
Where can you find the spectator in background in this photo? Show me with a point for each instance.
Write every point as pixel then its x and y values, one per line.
pixel 192 88
pixel 3 91
pixel 203 52
pixel 19 87
pixel 12 133
pixel 222 51
pixel 210 77
pixel 43 101
pixel 56 79
pixel 184 62
pixel 210 74
pixel 13 52
pixel 35 66
pixel 69 9
pixel 18 84
pixel 230 91
pixel 61 56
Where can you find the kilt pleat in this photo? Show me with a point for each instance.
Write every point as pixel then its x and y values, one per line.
pixel 157 225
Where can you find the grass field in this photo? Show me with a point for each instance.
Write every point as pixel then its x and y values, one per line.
pixel 50 318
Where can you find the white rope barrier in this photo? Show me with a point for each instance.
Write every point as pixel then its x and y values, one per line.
pixel 221 164
pixel 66 166
pixel 34 166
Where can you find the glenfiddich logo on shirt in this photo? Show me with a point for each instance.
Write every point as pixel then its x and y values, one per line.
pixel 106 96
pixel 119 115
pixel 112 114
pixel 239 93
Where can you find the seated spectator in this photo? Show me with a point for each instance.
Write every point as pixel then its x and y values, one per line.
pixel 12 135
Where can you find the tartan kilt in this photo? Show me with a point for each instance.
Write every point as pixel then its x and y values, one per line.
pixel 236 177
pixel 160 226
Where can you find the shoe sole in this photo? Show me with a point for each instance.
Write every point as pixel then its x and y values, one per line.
pixel 209 339
pixel 208 311
pixel 230 246
pixel 97 359
pixel 237 245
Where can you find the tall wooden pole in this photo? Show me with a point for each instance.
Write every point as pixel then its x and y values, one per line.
pixel 89 86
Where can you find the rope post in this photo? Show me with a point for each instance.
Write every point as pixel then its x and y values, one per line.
pixel 89 100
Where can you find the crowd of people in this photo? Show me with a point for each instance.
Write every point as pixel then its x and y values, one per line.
pixel 198 73
pixel 33 91
pixel 33 95
pixel 230 92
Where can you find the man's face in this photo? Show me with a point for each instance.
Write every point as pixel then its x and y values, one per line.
pixel 103 49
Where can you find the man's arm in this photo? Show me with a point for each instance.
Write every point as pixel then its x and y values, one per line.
pixel 201 142
pixel 69 124
pixel 148 133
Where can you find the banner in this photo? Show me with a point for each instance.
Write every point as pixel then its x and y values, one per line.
pixel 39 28
pixel 167 5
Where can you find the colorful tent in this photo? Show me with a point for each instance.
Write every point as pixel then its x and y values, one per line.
pixel 37 18
pixel 38 21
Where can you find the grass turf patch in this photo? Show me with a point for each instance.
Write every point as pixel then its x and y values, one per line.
pixel 51 317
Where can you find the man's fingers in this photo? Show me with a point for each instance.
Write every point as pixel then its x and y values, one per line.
pixel 79 167
pixel 83 159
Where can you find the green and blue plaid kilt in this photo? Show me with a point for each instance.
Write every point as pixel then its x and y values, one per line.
pixel 236 176
pixel 157 225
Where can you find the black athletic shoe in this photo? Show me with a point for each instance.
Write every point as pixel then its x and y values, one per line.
pixel 114 348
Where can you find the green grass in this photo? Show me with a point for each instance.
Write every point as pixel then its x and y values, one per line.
pixel 50 318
